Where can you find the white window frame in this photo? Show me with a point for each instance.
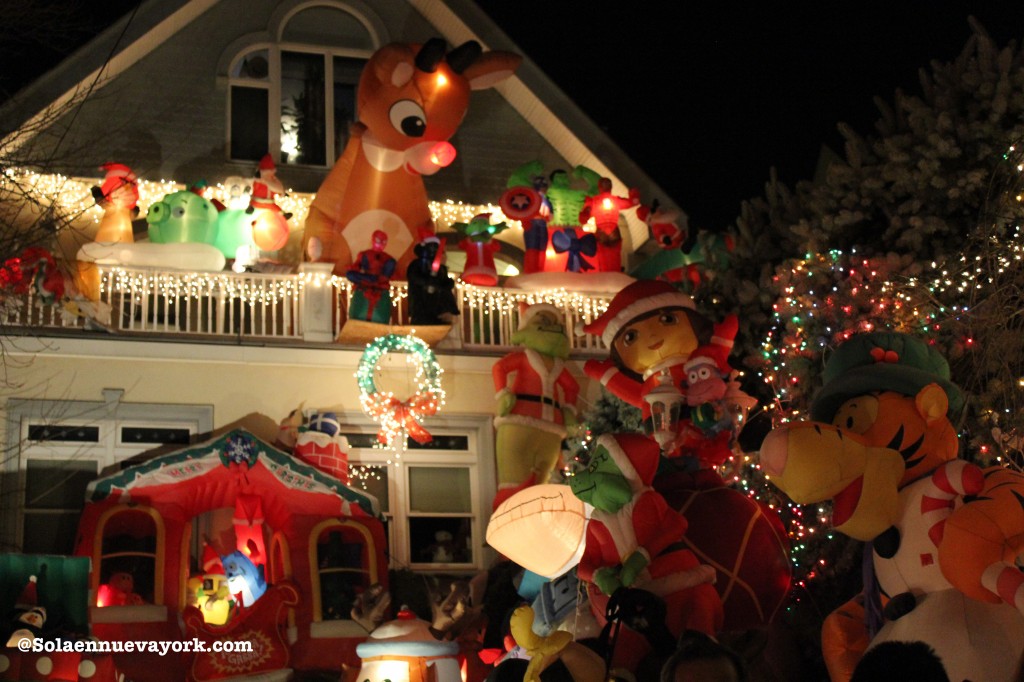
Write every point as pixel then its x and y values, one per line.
pixel 110 416
pixel 272 84
pixel 478 458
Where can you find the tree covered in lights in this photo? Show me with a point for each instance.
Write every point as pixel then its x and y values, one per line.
pixel 915 228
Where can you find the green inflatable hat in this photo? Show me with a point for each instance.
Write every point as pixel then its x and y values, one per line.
pixel 882 361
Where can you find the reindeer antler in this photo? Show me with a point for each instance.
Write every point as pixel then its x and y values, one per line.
pixel 447 612
pixel 430 55
pixel 464 55
pixel 370 606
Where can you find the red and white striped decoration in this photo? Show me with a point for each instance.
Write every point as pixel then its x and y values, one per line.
pixel 951 480
pixel 1005 580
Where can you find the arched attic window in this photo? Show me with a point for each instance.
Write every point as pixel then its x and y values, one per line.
pixel 297 95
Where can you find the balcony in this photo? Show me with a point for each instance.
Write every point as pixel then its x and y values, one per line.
pixel 310 307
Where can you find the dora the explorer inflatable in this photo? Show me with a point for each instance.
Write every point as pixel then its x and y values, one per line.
pixel 658 340
pixel 656 337
pixel 943 534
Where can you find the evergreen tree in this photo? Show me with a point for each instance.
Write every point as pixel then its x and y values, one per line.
pixel 914 229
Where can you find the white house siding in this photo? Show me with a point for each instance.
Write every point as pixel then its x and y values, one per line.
pixel 236 380
pixel 263 384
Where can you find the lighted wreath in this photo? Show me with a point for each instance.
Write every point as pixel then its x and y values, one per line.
pixel 394 414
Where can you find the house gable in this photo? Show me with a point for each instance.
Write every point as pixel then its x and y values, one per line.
pixel 161 103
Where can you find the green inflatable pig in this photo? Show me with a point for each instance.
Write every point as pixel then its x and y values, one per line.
pixel 182 217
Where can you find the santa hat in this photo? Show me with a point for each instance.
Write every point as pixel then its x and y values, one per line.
pixel 211 561
pixel 29 597
pixel 708 355
pixel 528 312
pixel 267 163
pixel 118 170
pixel 637 299
pixel 636 455
pixel 718 350
pixel 427 235
pixel 118 174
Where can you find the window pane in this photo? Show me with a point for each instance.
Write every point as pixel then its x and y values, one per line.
pixel 374 480
pixel 253 65
pixel 249 123
pixel 439 490
pixel 50 532
pixel 131 574
pixel 329 27
pixel 129 532
pixel 57 483
pixel 437 442
pixel 441 443
pixel 303 110
pixel 341 561
pixel 440 540
pixel 143 434
pixel 68 434
pixel 346 78
pixel 361 440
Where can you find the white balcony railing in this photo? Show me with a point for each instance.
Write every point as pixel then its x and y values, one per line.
pixel 278 308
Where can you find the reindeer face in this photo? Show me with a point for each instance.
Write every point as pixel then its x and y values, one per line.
pixel 410 109
pixel 413 98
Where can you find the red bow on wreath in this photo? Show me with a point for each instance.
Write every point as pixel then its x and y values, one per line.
pixel 396 414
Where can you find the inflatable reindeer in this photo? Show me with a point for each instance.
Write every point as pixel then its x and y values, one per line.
pixel 411 100
pixel 944 534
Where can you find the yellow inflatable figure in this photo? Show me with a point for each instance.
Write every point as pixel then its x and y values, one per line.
pixel 118 196
pixel 579 661
pixel 883 450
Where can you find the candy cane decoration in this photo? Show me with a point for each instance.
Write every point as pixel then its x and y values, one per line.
pixel 951 480
pixel 1005 580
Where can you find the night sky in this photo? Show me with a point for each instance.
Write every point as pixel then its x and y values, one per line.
pixel 708 98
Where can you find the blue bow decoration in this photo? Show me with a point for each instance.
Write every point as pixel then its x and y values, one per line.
pixel 565 240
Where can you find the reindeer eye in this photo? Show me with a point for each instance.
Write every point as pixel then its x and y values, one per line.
pixel 408 118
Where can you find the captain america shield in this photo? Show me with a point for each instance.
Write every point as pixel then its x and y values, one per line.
pixel 520 203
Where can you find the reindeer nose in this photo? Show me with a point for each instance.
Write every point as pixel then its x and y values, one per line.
pixel 775 452
pixel 426 158
pixel 442 154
